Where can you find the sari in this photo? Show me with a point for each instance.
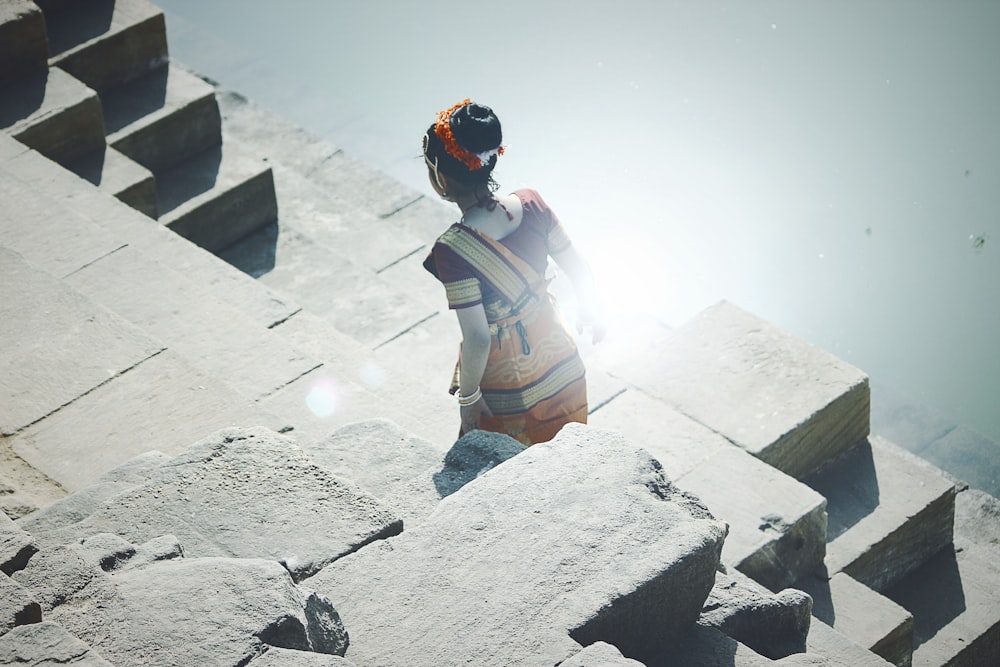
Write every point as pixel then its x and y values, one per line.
pixel 535 381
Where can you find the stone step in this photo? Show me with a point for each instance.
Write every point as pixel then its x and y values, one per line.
pixel 24 49
pixel 788 403
pixel 119 176
pixel 777 525
pixel 954 596
pixel 217 197
pixel 162 118
pixel 867 618
pixel 888 510
pixel 53 113
pixel 265 306
pixel 104 43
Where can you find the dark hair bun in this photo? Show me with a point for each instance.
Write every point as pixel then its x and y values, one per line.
pixel 476 128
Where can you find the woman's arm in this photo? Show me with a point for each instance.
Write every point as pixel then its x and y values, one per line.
pixel 476 342
pixel 575 266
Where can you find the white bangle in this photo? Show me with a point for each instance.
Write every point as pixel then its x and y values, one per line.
pixel 471 398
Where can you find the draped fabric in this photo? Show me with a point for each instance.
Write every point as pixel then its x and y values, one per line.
pixel 534 381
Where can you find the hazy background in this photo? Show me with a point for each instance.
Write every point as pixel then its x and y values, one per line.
pixel 832 167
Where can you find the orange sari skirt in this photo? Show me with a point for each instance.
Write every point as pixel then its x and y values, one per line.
pixel 535 381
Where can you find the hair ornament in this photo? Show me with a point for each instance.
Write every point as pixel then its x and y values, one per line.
pixel 442 128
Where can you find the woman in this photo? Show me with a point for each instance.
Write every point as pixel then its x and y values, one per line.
pixel 519 372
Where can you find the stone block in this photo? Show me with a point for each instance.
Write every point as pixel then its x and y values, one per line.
pixel 106 43
pixel 867 618
pixel 54 114
pixel 888 511
pixel 110 424
pixel 217 197
pixel 777 525
pixel 574 541
pixel 162 118
pixel 599 654
pixel 206 330
pixel 838 650
pixel 58 346
pixel 47 643
pixel 953 596
pixel 788 403
pixel 182 611
pixel 285 657
pixel 244 493
pixel 24 47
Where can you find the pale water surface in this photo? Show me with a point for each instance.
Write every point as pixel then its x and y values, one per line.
pixel 832 167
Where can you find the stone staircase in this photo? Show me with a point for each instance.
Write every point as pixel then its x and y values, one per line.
pixel 121 335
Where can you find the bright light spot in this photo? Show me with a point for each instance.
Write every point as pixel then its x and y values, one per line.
pixel 372 375
pixel 774 26
pixel 322 398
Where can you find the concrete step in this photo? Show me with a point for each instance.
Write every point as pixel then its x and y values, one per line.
pixel 217 197
pixel 105 43
pixel 263 305
pixel 53 113
pixel 777 525
pixel 24 49
pixel 867 618
pixel 162 118
pixel 889 511
pixel 786 402
pixel 954 596
pixel 120 177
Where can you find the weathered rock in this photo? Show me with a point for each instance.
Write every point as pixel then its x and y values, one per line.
pixel 386 461
pixel 775 625
pixel 181 611
pixel 471 456
pixel 17 607
pixel 283 657
pixel 241 492
pixel 838 649
pixel 16 546
pixel 575 541
pixel 600 654
pixel 47 644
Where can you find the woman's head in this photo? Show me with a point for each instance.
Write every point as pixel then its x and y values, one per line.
pixel 463 144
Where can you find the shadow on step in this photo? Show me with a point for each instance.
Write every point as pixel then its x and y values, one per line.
pixel 70 24
pixel 850 485
pixel 194 177
pixel 255 254
pixel 933 593
pixel 136 100
pixel 22 98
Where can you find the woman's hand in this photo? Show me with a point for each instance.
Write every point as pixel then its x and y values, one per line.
pixel 471 414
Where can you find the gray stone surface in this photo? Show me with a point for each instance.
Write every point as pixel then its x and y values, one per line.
pixel 386 461
pixel 77 444
pixel 17 606
pixel 838 649
pixel 283 657
pixel 574 541
pixel 888 512
pixel 180 611
pixel 58 346
pixel 16 546
pixel 247 493
pixel 53 113
pixel 108 46
pixel 790 404
pixel 473 455
pixel 47 644
pixel 867 618
pixel 599 654
pixel 777 525
pixel 775 625
pixel 954 596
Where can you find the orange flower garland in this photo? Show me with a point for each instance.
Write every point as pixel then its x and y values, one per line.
pixel 442 128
